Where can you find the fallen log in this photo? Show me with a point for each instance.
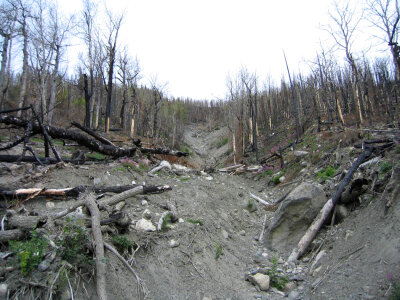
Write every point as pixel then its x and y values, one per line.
pixel 163 151
pixel 138 190
pixel 7 111
pixel 98 247
pixel 327 208
pixel 13 234
pixel 81 139
pixel 65 192
pixel 93 134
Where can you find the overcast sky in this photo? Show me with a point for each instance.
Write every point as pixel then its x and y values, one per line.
pixel 193 45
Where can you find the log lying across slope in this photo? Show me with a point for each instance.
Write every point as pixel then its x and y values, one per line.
pixel 81 139
pixel 99 144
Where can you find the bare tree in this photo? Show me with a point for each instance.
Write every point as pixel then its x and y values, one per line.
pixel 88 33
pixel 385 15
pixel 114 25
pixel 61 27
pixel 345 23
pixel 8 19
pixel 158 90
pixel 128 74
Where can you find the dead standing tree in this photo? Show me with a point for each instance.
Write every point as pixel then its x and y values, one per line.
pixel 345 24
pixel 114 25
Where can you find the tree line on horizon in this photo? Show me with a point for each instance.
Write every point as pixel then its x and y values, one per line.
pixel 105 91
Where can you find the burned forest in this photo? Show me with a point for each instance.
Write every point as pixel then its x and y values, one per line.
pixel 111 187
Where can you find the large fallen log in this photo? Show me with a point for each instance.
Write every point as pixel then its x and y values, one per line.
pixel 81 139
pixel 327 208
pixel 66 192
pixel 93 134
pixel 164 151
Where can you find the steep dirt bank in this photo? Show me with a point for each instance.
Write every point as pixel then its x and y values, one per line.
pixel 216 240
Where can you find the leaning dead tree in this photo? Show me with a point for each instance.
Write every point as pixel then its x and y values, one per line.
pixel 328 207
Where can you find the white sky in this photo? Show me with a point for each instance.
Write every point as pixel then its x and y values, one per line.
pixel 193 45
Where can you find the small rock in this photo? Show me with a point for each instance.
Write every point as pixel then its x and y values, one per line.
pixel 281 261
pixel 299 153
pixel 145 225
pixel 276 291
pixel 138 209
pixel 147 214
pixel 173 243
pixel 304 163
pixel 225 234
pixel 294 295
pixel 50 205
pixel 45 264
pixel 262 281
pixel 208 178
pixel 242 232
pixel 96 181
pixel 264 254
pixel 207 298
pixel 144 202
pixel 180 220
pixel 317 261
pixel 290 286
pixel 282 179
pixel 3 290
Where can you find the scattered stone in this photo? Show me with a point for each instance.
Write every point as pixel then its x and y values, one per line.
pixel 282 179
pixel 145 225
pixel 281 261
pixel 3 290
pixel 180 220
pixel 208 178
pixel 173 243
pixel 294 295
pixel 147 214
pixel 96 181
pixel 299 153
pixel 258 258
pixel 50 205
pixel 276 291
pixel 341 212
pixel 290 286
pixel 144 202
pixel 225 234
pixel 317 261
pixel 262 281
pixel 45 264
pixel 242 232
pixel 264 254
pixel 138 209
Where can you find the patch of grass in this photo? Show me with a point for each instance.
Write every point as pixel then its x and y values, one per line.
pixel 265 174
pixel 4 138
pixel 386 167
pixel 218 250
pixel 222 142
pixel 37 140
pixel 184 179
pixel 275 179
pixel 276 279
pixel 118 169
pixel 74 241
pixel 326 173
pixel 122 244
pixel 195 221
pixel 395 295
pixel 29 253
pixel 185 148
pixel 166 221
pixel 251 205
pixel 95 155
pixel 398 149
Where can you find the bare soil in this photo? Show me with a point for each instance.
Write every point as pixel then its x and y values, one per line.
pixel 361 251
